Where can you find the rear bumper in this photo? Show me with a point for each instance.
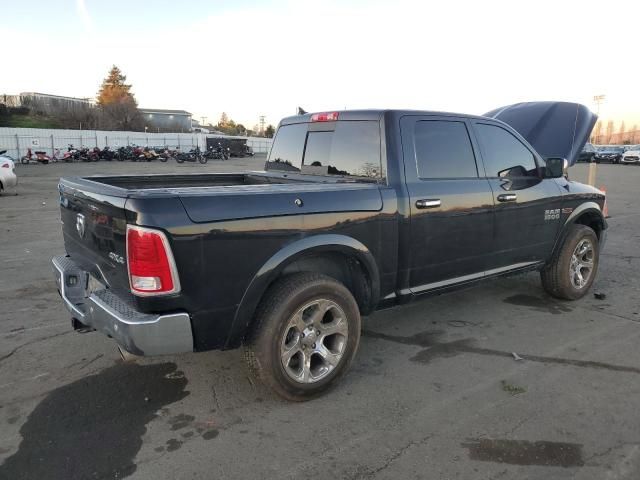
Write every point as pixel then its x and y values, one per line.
pixel 136 332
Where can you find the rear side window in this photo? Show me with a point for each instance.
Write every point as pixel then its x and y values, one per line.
pixel 288 147
pixel 504 155
pixel 346 148
pixel 443 150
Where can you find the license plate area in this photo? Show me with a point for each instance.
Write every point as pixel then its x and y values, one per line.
pixel 93 285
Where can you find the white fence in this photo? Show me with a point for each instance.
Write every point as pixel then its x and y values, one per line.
pixel 17 140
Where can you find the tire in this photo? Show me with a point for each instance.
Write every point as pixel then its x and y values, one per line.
pixel 163 159
pixel 300 295
pixel 179 160
pixel 202 160
pixel 559 277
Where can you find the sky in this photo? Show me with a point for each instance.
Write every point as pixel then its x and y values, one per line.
pixel 251 58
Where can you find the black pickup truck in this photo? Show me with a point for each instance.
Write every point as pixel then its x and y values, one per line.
pixel 355 211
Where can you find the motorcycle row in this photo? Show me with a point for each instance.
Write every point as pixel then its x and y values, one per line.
pixel 130 153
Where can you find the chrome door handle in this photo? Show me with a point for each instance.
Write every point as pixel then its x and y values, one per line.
pixel 507 197
pixel 428 203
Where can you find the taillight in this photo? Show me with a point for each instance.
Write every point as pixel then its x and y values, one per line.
pixel 152 270
pixel 5 165
pixel 324 117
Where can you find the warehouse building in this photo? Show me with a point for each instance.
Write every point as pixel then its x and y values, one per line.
pixel 156 119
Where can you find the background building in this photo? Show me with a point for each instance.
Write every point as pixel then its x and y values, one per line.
pixel 156 119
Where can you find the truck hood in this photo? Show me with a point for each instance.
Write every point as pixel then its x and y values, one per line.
pixel 554 129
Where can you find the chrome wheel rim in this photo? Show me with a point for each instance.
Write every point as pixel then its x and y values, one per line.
pixel 314 341
pixel 581 266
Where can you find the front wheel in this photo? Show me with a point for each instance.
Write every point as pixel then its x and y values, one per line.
pixel 571 272
pixel 305 336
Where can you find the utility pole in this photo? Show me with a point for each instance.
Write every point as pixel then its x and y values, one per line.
pixel 204 119
pixel 598 100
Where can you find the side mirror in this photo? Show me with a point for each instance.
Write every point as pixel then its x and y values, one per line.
pixel 556 167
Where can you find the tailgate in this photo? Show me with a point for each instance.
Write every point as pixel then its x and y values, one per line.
pixel 94 227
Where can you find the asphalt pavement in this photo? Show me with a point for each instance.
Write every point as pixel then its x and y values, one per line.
pixel 497 381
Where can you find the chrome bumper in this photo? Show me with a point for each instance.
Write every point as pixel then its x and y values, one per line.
pixel 138 333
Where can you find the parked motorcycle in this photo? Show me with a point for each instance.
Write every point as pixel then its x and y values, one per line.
pixel 166 154
pixel 107 154
pixel 193 155
pixel 38 157
pixel 149 154
pixel 217 152
pixel 71 154
pixel 93 154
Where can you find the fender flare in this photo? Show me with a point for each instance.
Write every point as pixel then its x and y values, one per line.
pixel 291 252
pixel 587 207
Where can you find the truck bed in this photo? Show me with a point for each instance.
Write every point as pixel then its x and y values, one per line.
pixel 146 182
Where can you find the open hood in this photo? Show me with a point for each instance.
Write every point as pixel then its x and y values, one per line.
pixel 554 129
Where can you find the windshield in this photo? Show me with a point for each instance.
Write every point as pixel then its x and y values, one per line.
pixel 343 148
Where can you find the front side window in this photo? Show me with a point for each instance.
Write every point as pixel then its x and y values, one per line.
pixel 504 155
pixel 443 150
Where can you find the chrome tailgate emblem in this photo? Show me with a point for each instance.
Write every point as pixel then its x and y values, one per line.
pixel 80 225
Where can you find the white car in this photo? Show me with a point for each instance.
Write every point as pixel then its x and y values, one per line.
pixel 631 156
pixel 8 178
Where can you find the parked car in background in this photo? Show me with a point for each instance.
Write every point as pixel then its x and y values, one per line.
pixel 609 153
pixel 588 153
pixel 631 156
pixel 8 178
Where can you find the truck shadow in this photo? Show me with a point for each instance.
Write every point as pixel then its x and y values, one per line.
pixel 93 427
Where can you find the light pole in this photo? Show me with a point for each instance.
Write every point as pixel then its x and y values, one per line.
pixel 598 99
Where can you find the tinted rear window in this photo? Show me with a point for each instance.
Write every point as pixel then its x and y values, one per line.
pixel 346 148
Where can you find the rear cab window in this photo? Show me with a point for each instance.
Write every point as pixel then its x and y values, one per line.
pixel 347 148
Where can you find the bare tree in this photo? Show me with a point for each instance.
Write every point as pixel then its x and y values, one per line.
pixel 597 132
pixel 609 131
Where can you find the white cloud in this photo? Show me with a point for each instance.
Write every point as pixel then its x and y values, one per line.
pixel 83 13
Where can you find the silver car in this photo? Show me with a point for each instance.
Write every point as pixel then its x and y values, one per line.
pixel 632 155
pixel 8 178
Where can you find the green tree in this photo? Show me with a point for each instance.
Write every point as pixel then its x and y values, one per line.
pixel 269 131
pixel 224 120
pixel 114 89
pixel 118 103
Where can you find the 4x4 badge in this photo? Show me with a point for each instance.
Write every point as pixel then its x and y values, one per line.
pixel 80 225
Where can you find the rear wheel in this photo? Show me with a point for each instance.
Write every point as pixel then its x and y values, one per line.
pixel 571 272
pixel 305 337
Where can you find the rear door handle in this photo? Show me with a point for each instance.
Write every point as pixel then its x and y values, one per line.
pixel 507 197
pixel 428 203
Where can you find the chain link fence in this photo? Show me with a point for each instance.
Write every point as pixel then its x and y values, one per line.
pixel 16 141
